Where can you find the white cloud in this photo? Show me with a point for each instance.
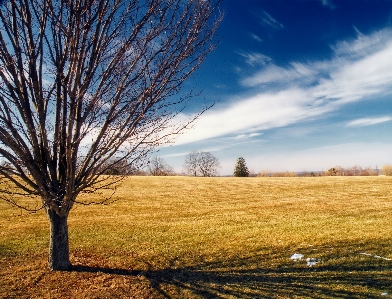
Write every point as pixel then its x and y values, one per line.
pixel 362 65
pixel 308 90
pixel 368 121
pixel 260 112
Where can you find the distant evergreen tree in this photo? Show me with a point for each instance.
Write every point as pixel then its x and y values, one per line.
pixel 241 170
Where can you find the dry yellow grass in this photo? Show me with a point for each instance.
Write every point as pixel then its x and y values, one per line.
pixel 179 237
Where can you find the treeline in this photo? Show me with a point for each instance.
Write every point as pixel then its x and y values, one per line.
pixel 205 164
pixel 334 171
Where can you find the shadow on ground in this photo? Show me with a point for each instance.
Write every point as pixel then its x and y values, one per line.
pixel 243 279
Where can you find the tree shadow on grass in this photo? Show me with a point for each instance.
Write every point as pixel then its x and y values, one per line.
pixel 242 278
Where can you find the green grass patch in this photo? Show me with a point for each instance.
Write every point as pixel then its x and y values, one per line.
pixel 179 237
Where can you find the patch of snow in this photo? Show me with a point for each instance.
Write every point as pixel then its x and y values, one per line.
pixel 296 257
pixel 383 258
pixel 312 261
pixel 364 253
pixel 376 256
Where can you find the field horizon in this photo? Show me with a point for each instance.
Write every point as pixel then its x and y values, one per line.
pixel 225 237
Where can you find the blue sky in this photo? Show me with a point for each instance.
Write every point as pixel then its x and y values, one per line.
pixel 301 86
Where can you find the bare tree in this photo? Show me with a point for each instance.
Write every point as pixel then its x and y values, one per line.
pixel 191 164
pixel 201 164
pixel 208 164
pixel 158 167
pixel 86 85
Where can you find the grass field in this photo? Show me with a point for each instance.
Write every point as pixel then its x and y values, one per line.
pixel 179 237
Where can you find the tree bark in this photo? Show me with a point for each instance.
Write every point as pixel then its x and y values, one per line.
pixel 59 246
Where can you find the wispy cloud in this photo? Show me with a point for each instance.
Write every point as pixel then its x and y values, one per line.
pixel 356 80
pixel 359 68
pixel 363 45
pixel 246 136
pixel 328 3
pixel 368 121
pixel 268 20
pixel 255 59
pixel 307 89
pixel 256 37
pixel 276 74
pixel 357 62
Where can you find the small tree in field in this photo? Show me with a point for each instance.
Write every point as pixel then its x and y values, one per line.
pixel 88 87
pixel 240 169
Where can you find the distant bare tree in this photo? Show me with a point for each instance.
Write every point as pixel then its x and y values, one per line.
pixel 265 173
pixel 208 164
pixel 158 167
pixel 120 167
pixel 87 85
pixel 201 164
pixel 386 169
pixel 367 171
pixel 356 170
pixel 331 172
pixel 191 164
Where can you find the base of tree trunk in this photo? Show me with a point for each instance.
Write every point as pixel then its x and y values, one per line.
pixel 59 246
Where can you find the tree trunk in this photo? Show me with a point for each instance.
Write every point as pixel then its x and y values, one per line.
pixel 58 248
